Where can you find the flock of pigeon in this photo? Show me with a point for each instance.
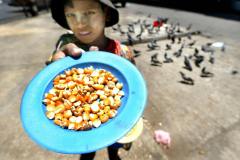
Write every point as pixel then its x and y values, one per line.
pixel 189 60
pixel 198 56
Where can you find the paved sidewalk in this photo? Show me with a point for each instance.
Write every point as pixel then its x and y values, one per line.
pixel 203 119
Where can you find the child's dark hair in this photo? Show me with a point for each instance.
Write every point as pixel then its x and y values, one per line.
pixel 57 9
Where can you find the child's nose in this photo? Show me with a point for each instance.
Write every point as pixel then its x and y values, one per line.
pixel 82 19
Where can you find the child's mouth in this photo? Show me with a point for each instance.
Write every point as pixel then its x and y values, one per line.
pixel 85 33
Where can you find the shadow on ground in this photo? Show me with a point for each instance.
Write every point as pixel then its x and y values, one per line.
pixel 210 8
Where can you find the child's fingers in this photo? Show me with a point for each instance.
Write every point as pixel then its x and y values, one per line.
pixel 58 55
pixel 72 50
pixel 93 48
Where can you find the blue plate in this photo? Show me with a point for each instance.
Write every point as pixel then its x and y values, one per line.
pixel 52 137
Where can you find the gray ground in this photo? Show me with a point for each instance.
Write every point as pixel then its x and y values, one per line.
pixel 8 12
pixel 203 119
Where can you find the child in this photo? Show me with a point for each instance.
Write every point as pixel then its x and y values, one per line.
pixel 87 19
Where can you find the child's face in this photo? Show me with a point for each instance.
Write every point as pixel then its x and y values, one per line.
pixel 86 19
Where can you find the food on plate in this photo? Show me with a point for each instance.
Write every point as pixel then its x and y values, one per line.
pixel 83 98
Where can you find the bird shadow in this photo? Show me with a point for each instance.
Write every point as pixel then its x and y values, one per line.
pixel 156 64
pixel 137 55
pixel 186 82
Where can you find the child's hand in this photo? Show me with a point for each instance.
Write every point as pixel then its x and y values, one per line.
pixel 163 138
pixel 72 50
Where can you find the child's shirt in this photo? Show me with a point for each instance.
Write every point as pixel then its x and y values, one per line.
pixel 113 46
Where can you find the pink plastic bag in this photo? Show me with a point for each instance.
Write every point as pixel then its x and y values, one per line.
pixel 163 138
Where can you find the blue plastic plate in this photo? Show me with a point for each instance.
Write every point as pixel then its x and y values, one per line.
pixel 52 137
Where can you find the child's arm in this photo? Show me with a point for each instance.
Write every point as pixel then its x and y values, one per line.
pixel 72 50
pixel 66 47
pixel 69 49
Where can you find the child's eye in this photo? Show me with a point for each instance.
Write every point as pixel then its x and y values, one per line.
pixel 90 12
pixel 70 15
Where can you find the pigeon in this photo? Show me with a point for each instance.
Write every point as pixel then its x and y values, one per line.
pixel 198 60
pixel 169 30
pixel 136 53
pixel 196 51
pixel 211 60
pixel 164 20
pixel 178 30
pixel 146 24
pixel 115 29
pixel 131 29
pixel 196 55
pixel 186 80
pixel 152 45
pixel 179 40
pixel 172 37
pixel 137 22
pixel 189 36
pixel 182 46
pixel 207 48
pixel 187 64
pixel 150 30
pixel 189 27
pixel 139 36
pixel 142 28
pixel 157 29
pixel 130 39
pixel 122 32
pixel 154 59
pixel 174 27
pixel 191 43
pixel 166 28
pixel 154 56
pixel 178 53
pixel 190 56
pixel 167 60
pixel 205 73
pixel 168 47
pixel 234 72
pixel 118 26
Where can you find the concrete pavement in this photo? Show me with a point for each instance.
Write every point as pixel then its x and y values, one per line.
pixel 203 119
